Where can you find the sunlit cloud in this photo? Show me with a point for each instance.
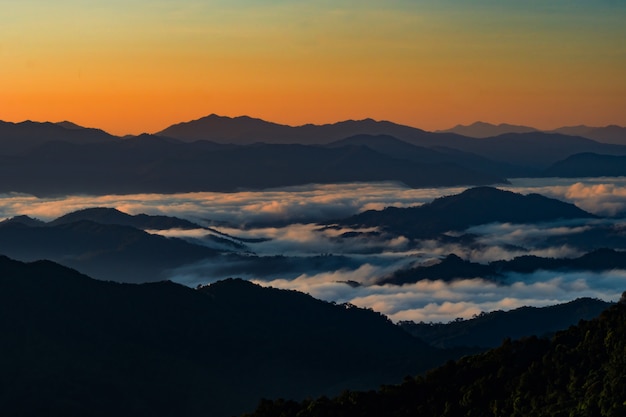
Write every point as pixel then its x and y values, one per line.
pixel 603 196
pixel 438 301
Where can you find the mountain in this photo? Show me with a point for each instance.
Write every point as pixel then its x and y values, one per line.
pixel 105 251
pixel 535 150
pixel 523 148
pixel 486 130
pixel 578 372
pixel 452 267
pixel 168 166
pixel 20 137
pixel 488 330
pixel 612 134
pixel 472 207
pixel 399 149
pixel 588 165
pixel 105 215
pixel 77 346
pixel 25 220
pixel 247 130
pixel 608 134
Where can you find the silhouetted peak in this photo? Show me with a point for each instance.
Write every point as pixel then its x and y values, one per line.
pixel 95 214
pixel 24 220
pixel 69 125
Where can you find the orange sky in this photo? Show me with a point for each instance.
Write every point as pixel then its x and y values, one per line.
pixel 136 66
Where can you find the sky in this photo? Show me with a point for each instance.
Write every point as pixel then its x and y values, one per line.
pixel 137 66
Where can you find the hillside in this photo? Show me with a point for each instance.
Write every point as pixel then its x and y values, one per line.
pixel 71 344
pixel 578 372
pixel 158 165
pixel 105 251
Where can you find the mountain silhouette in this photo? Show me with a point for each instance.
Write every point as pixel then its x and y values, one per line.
pixel 105 251
pixel 396 148
pixel 168 166
pixel 20 137
pixel 106 215
pixel 72 344
pixel 248 130
pixel 588 165
pixel 608 134
pixel 486 130
pixel 475 206
pixel 519 146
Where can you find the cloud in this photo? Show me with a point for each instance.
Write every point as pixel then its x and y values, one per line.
pixel 291 243
pixel 300 204
pixel 438 301
pixel 605 196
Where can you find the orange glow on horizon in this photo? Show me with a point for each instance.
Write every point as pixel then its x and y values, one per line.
pixel 143 70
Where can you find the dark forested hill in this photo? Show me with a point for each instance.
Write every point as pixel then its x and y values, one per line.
pixel 458 212
pixel 579 372
pixel 75 346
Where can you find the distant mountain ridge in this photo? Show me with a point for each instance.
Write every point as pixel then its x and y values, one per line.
pixel 20 137
pixel 218 153
pixel 486 130
pixel 588 165
pixel 247 130
pixel 162 165
pixel 611 134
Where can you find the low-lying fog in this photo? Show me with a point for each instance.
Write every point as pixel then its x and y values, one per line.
pixel 284 222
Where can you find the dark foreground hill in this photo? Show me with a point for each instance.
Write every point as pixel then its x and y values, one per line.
pixel 73 346
pixel 472 207
pixel 579 372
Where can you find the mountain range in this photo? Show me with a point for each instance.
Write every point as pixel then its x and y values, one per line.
pixel 608 134
pixel 49 159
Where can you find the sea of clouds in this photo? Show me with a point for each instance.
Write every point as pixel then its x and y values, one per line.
pixel 286 222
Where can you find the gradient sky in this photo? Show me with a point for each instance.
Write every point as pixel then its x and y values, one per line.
pixel 137 65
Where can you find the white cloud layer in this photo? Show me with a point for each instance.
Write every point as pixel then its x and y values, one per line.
pixel 284 221
pixel 438 301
